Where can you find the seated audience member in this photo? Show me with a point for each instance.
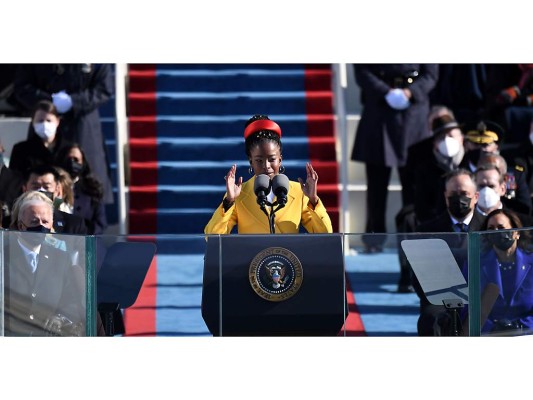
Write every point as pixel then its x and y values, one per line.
pixel 88 191
pixel 507 263
pixel 480 139
pixel 44 292
pixel 461 215
pixel 43 142
pixel 522 155
pixel 64 200
pixel 10 189
pixel 432 159
pixel 429 160
pixel 516 195
pixel 46 179
pixel 491 186
pixel 78 91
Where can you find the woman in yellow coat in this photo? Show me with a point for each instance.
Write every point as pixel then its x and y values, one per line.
pixel 240 207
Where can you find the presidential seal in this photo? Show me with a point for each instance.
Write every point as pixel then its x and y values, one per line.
pixel 276 274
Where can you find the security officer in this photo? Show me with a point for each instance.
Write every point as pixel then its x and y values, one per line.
pixel 395 100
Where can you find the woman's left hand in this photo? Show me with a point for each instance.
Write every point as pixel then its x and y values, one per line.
pixel 309 187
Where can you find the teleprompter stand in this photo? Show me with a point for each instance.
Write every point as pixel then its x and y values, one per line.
pixel 439 275
pixel 232 307
pixel 120 278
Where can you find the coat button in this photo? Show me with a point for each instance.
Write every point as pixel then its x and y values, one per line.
pixel 33 295
pixel 31 316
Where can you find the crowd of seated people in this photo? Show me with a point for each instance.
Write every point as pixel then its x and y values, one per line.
pixel 50 173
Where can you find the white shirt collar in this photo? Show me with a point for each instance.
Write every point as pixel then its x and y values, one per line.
pixel 466 221
pixel 27 251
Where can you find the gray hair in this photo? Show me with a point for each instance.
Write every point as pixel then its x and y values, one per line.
pixel 26 200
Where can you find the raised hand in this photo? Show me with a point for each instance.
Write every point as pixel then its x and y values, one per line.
pixel 233 186
pixel 309 187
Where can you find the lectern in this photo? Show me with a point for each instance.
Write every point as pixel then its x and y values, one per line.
pixel 274 285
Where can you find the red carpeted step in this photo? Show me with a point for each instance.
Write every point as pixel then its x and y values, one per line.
pixel 320 125
pixel 142 81
pixel 322 148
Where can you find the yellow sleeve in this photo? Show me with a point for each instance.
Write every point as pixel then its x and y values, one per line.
pixel 222 222
pixel 317 220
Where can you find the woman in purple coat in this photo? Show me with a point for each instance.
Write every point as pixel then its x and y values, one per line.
pixel 508 263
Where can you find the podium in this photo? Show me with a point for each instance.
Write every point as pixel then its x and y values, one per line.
pixel 274 285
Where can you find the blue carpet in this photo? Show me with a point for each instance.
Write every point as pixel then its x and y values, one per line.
pixel 373 279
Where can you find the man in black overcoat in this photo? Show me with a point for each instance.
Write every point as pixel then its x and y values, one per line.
pixel 395 100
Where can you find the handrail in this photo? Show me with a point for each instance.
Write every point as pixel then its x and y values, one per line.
pixel 121 125
pixel 340 83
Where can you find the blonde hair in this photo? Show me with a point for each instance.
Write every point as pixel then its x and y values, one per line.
pixel 66 184
pixel 25 200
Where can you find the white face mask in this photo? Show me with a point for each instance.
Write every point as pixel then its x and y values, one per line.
pixel 448 147
pixel 488 198
pixel 45 130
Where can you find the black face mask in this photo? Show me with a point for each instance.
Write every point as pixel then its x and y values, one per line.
pixel 459 205
pixel 502 240
pixel 73 167
pixel 38 228
pixel 33 239
pixel 50 195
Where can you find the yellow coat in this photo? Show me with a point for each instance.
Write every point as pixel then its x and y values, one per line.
pixel 249 217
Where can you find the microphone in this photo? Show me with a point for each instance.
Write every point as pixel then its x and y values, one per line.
pixel 261 189
pixel 280 187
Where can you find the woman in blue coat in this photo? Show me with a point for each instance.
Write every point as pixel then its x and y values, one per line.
pixel 508 263
pixel 395 100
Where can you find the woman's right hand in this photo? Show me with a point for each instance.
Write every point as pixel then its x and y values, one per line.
pixel 233 187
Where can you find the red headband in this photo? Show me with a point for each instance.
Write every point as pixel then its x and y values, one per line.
pixel 260 125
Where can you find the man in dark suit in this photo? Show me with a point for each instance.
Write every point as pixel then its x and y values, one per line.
pixel 461 196
pixel 45 178
pixel 44 292
pixel 430 160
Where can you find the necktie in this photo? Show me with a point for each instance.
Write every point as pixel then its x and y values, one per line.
pixel 32 257
pixel 461 227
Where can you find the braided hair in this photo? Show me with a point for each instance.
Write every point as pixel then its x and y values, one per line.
pixel 256 138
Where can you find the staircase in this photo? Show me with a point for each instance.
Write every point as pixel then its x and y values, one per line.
pixel 186 124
